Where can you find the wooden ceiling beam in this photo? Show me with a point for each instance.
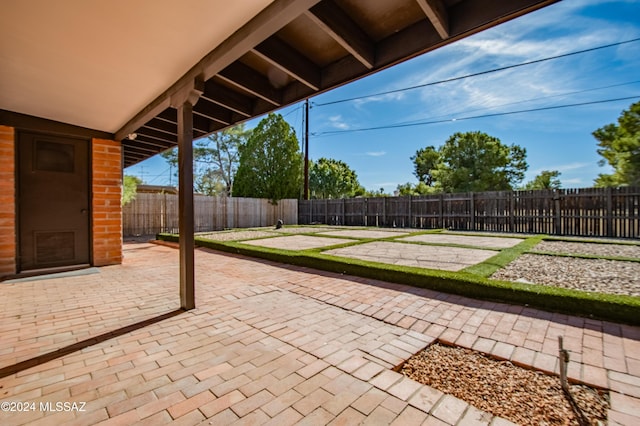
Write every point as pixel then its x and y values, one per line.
pixel 140 151
pixel 410 42
pixel 200 124
pixel 150 145
pixel 251 81
pixel 227 98
pixel 335 22
pixel 147 142
pixel 170 115
pixel 215 112
pixel 290 61
pixel 130 159
pixel 162 126
pixel 163 137
pixel 437 13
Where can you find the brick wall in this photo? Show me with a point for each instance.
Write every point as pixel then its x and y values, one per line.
pixel 106 187
pixel 7 202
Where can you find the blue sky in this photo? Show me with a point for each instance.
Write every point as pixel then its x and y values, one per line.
pixel 555 139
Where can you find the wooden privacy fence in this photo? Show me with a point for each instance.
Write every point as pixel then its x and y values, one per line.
pixel 597 212
pixel 153 213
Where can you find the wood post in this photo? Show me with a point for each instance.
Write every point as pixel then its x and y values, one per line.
pixel 609 217
pixel 441 210
pixel 184 101
pixel 472 211
pixel 558 213
pixel 305 196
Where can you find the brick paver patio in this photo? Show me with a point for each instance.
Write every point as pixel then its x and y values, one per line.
pixel 269 344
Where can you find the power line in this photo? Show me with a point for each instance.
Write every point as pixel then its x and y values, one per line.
pixel 462 77
pixel 497 114
pixel 575 92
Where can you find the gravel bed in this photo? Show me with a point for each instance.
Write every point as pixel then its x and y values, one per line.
pixel 619 250
pixel 525 397
pixel 596 275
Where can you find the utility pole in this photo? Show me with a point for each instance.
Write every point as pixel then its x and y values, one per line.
pixel 306 150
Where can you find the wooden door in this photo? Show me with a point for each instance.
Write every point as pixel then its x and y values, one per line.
pixel 53 201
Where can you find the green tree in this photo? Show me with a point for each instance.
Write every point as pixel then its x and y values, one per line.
pixel 425 162
pixel 329 178
pixel 270 163
pixel 420 188
pixel 215 159
pixel 476 162
pixel 620 146
pixel 375 193
pixel 129 188
pixel 547 179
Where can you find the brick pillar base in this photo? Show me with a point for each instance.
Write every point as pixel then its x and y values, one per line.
pixel 7 202
pixel 106 189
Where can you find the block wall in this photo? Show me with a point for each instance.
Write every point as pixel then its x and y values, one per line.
pixel 7 202
pixel 106 190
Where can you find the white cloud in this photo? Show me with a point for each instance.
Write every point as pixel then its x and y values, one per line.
pixel 337 122
pixel 387 97
pixel 515 42
pixel 376 153
pixel 563 168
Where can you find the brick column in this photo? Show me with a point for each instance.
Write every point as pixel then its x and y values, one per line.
pixel 106 191
pixel 7 201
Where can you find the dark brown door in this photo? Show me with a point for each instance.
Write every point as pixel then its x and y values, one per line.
pixel 53 201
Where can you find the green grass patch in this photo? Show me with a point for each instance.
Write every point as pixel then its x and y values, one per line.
pixel 624 309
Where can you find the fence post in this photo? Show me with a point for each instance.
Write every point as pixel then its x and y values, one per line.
pixel 558 215
pixel 472 211
pixel 609 219
pixel 440 210
pixel 344 205
pixel 512 212
pixel 163 213
pixel 326 211
pixel 384 211
pixel 364 210
pixel 410 211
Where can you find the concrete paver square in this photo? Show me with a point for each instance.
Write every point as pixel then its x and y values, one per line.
pixel 297 242
pixel 487 242
pixel 363 233
pixel 446 258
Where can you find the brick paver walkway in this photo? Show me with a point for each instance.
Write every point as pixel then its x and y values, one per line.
pixel 268 344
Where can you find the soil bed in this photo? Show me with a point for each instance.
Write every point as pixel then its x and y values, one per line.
pixel 525 397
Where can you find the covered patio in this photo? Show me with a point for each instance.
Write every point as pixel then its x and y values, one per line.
pixel 88 86
pixel 121 339
pixel 270 344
